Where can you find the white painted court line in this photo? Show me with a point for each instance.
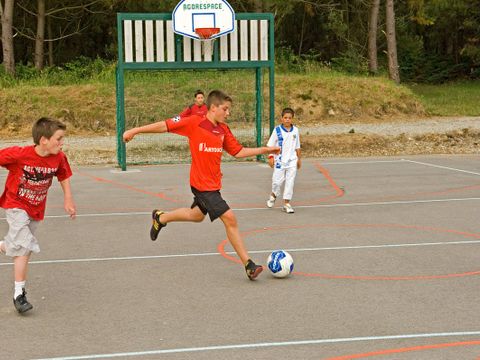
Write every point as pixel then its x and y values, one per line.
pixel 267 345
pixel 129 171
pixel 267 209
pixel 362 162
pixel 267 251
pixel 443 167
pixel 379 203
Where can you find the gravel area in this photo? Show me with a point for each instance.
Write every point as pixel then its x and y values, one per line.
pixel 425 126
pixel 433 135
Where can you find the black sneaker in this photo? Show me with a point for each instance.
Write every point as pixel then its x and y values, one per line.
pixel 21 303
pixel 252 269
pixel 156 225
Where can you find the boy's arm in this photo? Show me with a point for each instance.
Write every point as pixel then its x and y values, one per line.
pixel 273 141
pixel 299 156
pixel 9 155
pixel 186 112
pixel 68 202
pixel 271 161
pixel 246 152
pixel 158 127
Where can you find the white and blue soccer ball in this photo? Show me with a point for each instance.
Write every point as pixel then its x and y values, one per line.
pixel 280 263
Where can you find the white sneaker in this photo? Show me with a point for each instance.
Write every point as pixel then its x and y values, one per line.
pixel 288 209
pixel 271 201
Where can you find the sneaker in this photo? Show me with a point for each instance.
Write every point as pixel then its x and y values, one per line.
pixel 271 201
pixel 252 269
pixel 21 303
pixel 288 209
pixel 156 224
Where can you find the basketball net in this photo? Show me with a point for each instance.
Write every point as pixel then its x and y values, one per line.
pixel 206 33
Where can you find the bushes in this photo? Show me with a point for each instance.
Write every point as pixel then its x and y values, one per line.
pixel 80 71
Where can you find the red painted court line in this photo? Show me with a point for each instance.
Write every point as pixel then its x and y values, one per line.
pixel 127 187
pixel 326 174
pixel 338 192
pixel 405 350
pixel 222 244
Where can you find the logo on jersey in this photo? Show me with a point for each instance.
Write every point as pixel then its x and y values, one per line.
pixel 176 118
pixel 202 147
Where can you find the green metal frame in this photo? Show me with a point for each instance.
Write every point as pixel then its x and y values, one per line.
pixel 181 65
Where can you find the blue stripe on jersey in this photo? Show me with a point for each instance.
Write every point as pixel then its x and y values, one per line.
pixel 278 129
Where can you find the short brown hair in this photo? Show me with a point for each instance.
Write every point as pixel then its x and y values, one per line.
pixel 46 127
pixel 288 110
pixel 217 97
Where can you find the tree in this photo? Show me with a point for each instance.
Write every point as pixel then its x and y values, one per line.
pixel 372 37
pixel 73 15
pixel 6 14
pixel 40 38
pixel 391 43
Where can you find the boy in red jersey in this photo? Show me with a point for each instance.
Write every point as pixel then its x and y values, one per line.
pixel 198 107
pixel 208 136
pixel 30 173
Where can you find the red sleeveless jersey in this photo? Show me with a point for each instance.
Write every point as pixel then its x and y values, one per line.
pixel 207 142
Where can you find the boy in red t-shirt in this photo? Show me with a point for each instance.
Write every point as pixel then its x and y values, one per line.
pixel 198 107
pixel 30 173
pixel 208 136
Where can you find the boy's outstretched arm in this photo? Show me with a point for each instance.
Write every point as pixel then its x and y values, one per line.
pixel 68 202
pixel 158 127
pixel 246 152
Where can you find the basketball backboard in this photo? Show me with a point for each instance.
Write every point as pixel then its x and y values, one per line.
pixel 189 15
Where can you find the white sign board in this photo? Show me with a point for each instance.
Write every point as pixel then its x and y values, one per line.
pixel 189 15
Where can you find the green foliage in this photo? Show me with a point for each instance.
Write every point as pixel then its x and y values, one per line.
pixel 80 71
pixel 351 61
pixel 450 99
pixel 438 40
pixel 287 61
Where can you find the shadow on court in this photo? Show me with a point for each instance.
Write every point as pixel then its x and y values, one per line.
pixel 386 257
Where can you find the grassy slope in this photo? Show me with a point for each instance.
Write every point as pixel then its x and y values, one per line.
pixel 318 98
pixel 457 99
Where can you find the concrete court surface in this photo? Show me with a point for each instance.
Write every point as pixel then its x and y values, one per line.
pixel 386 257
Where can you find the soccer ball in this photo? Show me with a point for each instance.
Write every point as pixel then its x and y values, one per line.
pixel 280 263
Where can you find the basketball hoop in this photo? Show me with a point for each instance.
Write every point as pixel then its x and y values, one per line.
pixel 206 33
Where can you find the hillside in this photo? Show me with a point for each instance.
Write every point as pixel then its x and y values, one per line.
pixel 320 100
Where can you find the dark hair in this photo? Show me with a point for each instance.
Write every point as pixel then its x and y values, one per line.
pixel 217 97
pixel 46 127
pixel 288 110
pixel 198 92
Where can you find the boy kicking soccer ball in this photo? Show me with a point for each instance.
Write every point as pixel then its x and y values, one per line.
pixel 208 136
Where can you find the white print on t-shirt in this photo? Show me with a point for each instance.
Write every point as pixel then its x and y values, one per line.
pixel 203 147
pixel 34 183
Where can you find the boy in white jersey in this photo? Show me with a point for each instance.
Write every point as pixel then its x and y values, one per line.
pixel 285 164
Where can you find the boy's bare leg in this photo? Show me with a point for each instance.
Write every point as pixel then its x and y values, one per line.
pixel 20 265
pixel 233 233
pixel 183 214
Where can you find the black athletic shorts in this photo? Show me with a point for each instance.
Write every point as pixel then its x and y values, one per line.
pixel 210 202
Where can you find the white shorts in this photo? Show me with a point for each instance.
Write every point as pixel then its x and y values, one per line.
pixel 284 176
pixel 20 240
